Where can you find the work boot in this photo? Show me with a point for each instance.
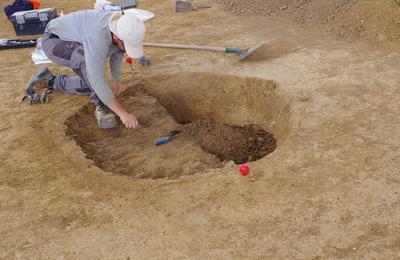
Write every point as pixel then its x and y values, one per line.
pixel 105 117
pixel 42 79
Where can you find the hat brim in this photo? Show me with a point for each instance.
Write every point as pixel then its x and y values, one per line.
pixel 134 52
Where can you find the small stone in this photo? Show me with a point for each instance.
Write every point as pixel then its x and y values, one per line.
pixel 303 98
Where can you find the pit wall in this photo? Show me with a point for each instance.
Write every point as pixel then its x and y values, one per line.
pixel 223 98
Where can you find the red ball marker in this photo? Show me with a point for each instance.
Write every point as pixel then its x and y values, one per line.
pixel 129 61
pixel 244 169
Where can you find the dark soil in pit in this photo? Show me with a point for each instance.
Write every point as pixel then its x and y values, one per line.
pixel 240 144
pixel 201 145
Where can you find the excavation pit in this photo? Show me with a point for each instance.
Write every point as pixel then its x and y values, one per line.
pixel 220 118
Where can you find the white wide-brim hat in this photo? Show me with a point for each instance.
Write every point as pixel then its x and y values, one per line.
pixel 131 30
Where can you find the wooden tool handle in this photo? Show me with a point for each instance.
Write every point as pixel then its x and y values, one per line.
pixel 201 6
pixel 184 46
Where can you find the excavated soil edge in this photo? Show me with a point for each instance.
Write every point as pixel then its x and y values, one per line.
pixel 221 118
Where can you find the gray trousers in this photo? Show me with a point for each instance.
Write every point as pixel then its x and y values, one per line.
pixel 71 55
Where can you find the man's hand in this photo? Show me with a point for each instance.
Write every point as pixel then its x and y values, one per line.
pixel 130 121
pixel 116 88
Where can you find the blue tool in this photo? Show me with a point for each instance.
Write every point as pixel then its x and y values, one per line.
pixel 163 140
pixel 167 139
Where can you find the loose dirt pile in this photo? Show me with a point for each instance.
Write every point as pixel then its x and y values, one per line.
pixel 375 21
pixel 300 7
pixel 237 143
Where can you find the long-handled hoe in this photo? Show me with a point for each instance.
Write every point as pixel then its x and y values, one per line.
pixel 242 54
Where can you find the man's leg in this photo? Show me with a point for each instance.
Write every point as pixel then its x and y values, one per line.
pixel 71 54
pixel 70 85
pixel 66 54
pixel 105 117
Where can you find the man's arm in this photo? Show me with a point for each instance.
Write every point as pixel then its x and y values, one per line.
pixel 130 121
pixel 95 57
pixel 115 66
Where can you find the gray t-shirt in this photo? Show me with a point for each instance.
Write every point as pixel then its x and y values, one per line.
pixel 90 28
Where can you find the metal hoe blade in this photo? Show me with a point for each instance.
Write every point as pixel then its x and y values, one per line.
pixel 182 6
pixel 245 54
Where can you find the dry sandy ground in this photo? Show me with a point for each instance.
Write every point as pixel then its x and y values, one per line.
pixel 329 190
